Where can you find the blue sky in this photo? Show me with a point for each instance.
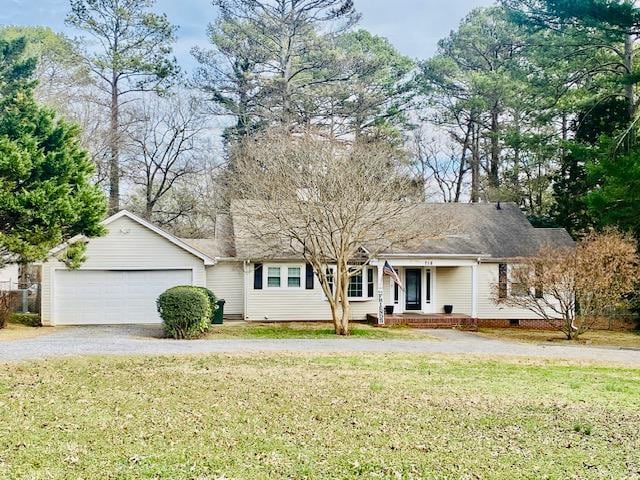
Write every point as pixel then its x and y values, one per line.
pixel 413 26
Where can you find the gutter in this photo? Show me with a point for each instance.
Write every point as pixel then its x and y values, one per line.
pixel 434 255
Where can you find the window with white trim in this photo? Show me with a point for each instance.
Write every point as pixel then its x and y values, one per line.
pixel 357 289
pixel 354 290
pixel 294 277
pixel 283 276
pixel 330 281
pixel 273 277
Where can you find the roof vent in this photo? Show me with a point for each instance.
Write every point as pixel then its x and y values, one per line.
pixel 498 206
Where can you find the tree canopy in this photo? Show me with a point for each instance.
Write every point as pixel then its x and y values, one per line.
pixel 46 193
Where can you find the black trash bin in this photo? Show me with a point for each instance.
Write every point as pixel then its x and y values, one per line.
pixel 218 317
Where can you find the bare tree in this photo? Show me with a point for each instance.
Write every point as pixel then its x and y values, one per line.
pixel 165 147
pixel 573 288
pixel 337 205
pixel 132 55
pixel 438 169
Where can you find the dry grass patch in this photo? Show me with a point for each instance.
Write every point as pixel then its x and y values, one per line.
pixel 315 330
pixel 609 338
pixel 15 331
pixel 317 416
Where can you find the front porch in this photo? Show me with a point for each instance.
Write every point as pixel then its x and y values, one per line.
pixel 430 320
pixel 429 287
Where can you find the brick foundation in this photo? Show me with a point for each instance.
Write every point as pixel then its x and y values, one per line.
pixel 539 324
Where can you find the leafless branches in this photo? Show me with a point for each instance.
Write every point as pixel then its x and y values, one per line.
pixel 334 204
pixel 571 288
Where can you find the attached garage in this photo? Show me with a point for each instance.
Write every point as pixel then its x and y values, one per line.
pixel 123 274
pixel 87 297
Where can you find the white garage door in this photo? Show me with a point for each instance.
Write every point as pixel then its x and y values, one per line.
pixel 85 297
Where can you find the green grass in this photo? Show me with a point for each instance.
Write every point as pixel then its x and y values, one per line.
pixel 311 330
pixel 317 416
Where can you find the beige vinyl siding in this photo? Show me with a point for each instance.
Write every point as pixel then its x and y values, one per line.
pixel 127 245
pixel 487 307
pixel 225 280
pixel 288 304
pixel 453 287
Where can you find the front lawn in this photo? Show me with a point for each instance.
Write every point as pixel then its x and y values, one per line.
pixel 317 416
pixel 17 331
pixel 311 330
pixel 608 338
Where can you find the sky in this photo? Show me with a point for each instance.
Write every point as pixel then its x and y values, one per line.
pixel 413 26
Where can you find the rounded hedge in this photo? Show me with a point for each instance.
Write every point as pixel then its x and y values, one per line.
pixel 213 301
pixel 185 311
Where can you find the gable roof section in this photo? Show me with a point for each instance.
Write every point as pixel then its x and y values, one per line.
pixel 481 229
pixel 163 233
pixel 222 245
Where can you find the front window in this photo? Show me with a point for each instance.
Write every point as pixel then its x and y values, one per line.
pixel 355 285
pixel 519 290
pixel 360 286
pixel 329 272
pixel 370 286
pixel 273 277
pixel 293 277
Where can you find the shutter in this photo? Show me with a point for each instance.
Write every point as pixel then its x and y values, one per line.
pixel 257 276
pixel 370 282
pixel 308 273
pixel 502 280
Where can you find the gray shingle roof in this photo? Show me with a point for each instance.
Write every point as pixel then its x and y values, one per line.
pixel 481 229
pixel 222 245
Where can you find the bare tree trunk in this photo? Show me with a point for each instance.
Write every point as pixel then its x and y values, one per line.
pixel 149 204
pixel 114 160
pixel 628 63
pixel 346 310
pixel 494 164
pixel 463 161
pixel 475 165
pixel 285 65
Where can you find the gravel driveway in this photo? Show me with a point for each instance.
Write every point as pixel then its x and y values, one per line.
pixel 135 339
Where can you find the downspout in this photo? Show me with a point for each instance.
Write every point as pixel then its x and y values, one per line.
pixel 245 263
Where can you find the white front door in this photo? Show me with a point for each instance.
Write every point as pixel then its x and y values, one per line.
pixel 90 297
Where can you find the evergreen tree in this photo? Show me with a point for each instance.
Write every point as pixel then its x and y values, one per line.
pixel 46 196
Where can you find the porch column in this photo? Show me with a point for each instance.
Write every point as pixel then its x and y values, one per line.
pixel 474 291
pixel 380 294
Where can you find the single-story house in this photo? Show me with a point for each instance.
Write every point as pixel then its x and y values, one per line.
pixel 135 261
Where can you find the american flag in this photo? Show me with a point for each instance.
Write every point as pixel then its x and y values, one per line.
pixel 388 270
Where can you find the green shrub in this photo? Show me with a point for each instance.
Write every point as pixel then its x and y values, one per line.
pixel 185 312
pixel 27 319
pixel 213 301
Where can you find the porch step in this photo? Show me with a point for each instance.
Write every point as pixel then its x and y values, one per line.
pixel 467 328
pixel 458 321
